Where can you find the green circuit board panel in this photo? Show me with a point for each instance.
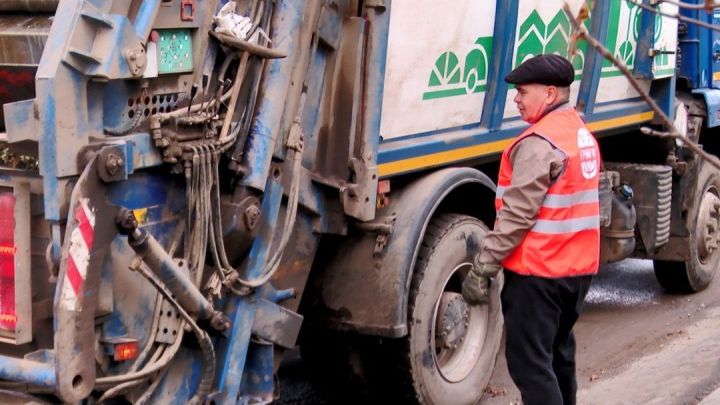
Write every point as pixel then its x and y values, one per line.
pixel 175 54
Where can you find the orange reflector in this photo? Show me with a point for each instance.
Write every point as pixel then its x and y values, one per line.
pixel 126 351
pixel 383 186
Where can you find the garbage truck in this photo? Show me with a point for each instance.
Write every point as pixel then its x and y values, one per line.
pixel 193 189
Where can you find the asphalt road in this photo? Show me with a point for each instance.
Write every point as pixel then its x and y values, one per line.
pixel 636 344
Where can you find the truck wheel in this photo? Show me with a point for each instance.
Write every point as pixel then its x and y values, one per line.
pixel 704 223
pixel 450 350
pixel 451 346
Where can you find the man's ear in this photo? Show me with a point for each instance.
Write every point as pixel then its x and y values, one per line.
pixel 552 95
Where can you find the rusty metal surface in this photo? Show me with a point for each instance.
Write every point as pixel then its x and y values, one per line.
pixel 29 5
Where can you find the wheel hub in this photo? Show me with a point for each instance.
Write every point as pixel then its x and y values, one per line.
pixel 708 227
pixel 452 320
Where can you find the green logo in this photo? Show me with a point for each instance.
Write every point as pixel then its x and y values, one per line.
pixel 450 78
pixel 538 37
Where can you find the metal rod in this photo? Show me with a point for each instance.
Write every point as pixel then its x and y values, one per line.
pixel 171 274
pixel 29 372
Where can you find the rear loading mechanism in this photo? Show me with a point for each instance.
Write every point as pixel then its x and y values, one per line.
pixel 196 181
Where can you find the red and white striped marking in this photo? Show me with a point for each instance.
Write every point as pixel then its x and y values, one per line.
pixel 81 242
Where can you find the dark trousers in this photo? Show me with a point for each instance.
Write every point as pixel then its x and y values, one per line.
pixel 539 317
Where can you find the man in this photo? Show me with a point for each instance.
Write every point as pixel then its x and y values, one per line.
pixel 546 234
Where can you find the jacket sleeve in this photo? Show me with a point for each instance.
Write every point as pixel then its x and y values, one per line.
pixel 536 163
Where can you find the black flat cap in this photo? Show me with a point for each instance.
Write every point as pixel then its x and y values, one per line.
pixel 550 70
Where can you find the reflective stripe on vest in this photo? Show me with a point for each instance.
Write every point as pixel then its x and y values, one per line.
pixel 565 239
pixel 567 225
pixel 562 200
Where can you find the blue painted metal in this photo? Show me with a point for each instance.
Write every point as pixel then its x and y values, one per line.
pixel 663 92
pixel 232 352
pixel 258 383
pixel 506 16
pixel 712 101
pixel 695 47
pixel 593 59
pixel 181 379
pixel 145 18
pixel 377 43
pixel 145 190
pixel 714 56
pixel 287 20
pixel 645 44
pixel 700 50
pixel 27 372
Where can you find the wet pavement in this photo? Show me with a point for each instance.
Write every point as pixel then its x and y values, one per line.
pixel 630 283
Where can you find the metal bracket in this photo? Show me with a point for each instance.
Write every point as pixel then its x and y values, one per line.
pixel 168 327
pixel 136 59
pixel 654 52
pixel 384 228
pixel 276 324
pixel 113 163
pixel 187 10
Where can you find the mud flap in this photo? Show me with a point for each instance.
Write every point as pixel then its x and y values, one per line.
pixel 91 228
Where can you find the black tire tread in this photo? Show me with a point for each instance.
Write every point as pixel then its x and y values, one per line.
pixel 435 232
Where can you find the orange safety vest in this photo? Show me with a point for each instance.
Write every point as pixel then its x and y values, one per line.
pixel 565 240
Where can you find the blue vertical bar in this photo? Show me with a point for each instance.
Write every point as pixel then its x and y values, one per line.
pixel 663 92
pixel 232 352
pixel 506 16
pixel 145 18
pixel 645 44
pixel 592 70
pixel 287 22
pixel 378 37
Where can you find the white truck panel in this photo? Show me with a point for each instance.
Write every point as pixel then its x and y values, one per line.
pixel 437 62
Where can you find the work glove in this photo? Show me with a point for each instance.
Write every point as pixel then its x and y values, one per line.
pixel 476 286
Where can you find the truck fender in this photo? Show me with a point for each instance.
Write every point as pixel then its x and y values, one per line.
pixel 364 284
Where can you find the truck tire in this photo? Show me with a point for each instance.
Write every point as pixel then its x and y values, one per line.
pixel 425 366
pixel 704 224
pixel 447 362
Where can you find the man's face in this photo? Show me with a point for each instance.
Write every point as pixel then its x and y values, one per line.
pixel 533 99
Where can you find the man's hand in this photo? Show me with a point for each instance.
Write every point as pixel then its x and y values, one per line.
pixel 475 287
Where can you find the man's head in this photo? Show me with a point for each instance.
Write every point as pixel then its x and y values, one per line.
pixel 542 82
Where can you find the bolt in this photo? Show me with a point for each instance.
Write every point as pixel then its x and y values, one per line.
pixel 113 164
pixel 252 216
pixel 126 220
pixel 219 321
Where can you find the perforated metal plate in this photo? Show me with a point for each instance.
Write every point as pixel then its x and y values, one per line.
pixel 175 51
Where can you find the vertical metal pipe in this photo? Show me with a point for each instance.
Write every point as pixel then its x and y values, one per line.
pixel 287 26
pixel 593 59
pixel 506 16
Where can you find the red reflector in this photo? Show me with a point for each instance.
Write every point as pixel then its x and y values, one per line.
pixel 8 317
pixel 126 351
pixel 383 186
